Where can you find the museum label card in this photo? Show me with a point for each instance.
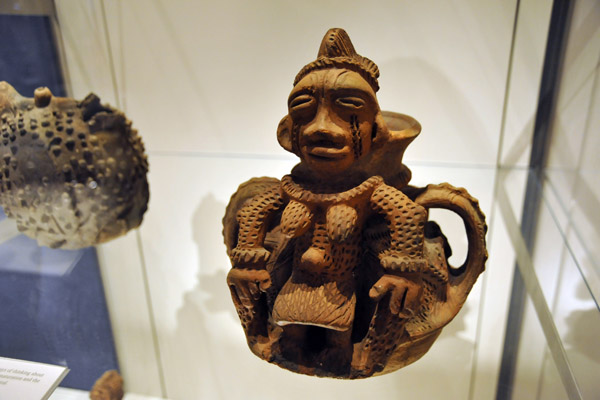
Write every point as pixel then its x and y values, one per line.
pixel 28 380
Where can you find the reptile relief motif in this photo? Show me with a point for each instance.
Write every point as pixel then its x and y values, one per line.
pixel 336 269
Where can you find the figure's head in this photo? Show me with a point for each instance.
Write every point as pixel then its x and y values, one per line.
pixel 334 116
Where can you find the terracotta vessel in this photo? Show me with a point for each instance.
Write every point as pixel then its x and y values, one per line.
pixel 336 269
pixel 72 173
pixel 108 387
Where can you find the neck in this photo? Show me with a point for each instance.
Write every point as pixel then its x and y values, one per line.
pixel 342 181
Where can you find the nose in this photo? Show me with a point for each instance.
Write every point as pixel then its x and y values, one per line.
pixel 323 128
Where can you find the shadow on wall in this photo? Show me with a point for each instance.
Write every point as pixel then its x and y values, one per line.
pixel 193 369
pixel 207 230
pixel 584 329
pixel 581 345
pixel 457 325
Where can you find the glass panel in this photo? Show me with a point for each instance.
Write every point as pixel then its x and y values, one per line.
pixel 53 305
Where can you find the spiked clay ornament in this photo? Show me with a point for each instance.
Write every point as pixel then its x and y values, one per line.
pixel 336 269
pixel 72 173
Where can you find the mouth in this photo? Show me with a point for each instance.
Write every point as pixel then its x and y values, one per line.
pixel 326 150
pixel 326 153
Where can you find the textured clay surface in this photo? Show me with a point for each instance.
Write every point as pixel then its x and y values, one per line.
pixel 72 173
pixel 336 269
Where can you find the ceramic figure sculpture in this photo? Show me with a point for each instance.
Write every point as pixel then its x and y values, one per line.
pixel 72 173
pixel 336 269
pixel 108 387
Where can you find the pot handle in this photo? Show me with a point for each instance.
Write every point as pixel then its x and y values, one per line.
pixel 461 202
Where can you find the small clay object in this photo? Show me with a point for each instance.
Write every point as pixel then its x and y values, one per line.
pixel 108 387
pixel 336 269
pixel 72 173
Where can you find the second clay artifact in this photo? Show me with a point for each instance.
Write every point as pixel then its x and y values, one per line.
pixel 336 269
pixel 72 173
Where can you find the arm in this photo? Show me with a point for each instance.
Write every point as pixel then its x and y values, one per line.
pixel 402 260
pixel 253 220
pixel 406 222
pixel 248 277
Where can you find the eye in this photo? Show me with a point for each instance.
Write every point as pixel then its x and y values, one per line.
pixel 300 102
pixel 354 103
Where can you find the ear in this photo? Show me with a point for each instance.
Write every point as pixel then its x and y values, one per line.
pixel 284 133
pixel 380 130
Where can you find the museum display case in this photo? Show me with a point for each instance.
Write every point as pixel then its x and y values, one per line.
pixel 506 93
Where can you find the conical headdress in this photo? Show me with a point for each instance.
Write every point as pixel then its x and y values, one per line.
pixel 337 51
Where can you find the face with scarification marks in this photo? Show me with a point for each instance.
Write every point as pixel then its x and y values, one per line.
pixel 333 119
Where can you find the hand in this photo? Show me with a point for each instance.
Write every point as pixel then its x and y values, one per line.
pixel 246 285
pixel 405 295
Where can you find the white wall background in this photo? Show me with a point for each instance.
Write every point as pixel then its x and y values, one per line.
pixel 206 84
pixel 445 63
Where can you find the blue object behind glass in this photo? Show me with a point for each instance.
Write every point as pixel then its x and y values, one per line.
pixel 53 305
